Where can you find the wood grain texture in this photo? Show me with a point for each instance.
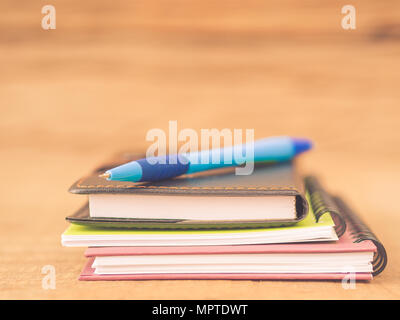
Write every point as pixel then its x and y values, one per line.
pixel 114 69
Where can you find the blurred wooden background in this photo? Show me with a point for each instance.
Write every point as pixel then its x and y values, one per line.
pixel 112 70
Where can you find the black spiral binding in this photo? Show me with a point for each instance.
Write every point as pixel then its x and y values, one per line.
pixel 321 203
pixel 361 232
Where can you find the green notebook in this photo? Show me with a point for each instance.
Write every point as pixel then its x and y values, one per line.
pixel 304 231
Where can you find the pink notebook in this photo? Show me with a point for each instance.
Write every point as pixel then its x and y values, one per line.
pixel 345 244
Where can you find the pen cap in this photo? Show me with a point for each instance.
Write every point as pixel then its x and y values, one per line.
pixel 278 148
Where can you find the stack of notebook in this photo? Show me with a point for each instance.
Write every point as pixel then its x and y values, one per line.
pixel 272 224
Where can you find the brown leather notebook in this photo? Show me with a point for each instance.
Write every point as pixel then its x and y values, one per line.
pixel 216 188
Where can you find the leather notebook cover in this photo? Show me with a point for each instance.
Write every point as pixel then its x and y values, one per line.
pixel 266 180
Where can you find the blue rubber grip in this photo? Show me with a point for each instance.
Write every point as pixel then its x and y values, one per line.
pixel 161 171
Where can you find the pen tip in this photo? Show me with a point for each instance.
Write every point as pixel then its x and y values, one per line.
pixel 301 145
pixel 105 175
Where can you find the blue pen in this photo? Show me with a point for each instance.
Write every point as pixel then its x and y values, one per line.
pixel 274 149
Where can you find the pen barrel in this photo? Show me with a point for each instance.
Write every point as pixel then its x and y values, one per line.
pixel 273 149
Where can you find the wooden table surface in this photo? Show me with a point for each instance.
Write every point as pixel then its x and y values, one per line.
pixel 112 70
